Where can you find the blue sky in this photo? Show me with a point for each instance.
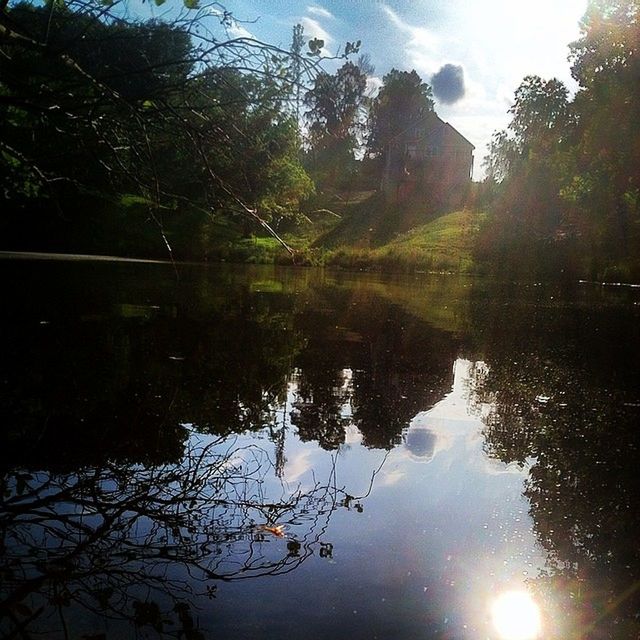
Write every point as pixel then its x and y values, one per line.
pixel 495 42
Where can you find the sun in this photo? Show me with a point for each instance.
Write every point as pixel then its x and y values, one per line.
pixel 516 616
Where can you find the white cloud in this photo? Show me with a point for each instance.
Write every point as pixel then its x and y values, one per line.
pixel 236 30
pixel 423 45
pixel 319 11
pixel 298 465
pixel 390 478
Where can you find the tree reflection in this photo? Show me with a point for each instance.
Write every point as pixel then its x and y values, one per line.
pixel 134 543
pixel 217 357
pixel 123 495
pixel 397 366
pixel 577 429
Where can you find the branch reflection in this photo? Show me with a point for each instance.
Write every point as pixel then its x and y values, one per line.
pixel 133 543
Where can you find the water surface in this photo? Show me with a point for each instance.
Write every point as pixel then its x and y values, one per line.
pixel 263 453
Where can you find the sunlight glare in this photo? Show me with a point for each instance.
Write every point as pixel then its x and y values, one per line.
pixel 516 616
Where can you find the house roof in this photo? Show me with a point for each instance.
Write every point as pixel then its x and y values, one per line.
pixel 437 131
pixel 457 135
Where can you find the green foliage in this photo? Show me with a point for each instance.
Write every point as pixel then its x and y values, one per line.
pixel 606 154
pixel 568 199
pixel 538 125
pixel 107 114
pixel 403 100
pixel 336 114
pixel 539 114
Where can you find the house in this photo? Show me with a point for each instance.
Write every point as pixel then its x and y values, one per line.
pixel 428 160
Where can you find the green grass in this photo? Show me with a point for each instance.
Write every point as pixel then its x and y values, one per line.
pixel 444 244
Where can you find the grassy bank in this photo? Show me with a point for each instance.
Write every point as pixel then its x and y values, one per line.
pixel 444 244
pixel 360 232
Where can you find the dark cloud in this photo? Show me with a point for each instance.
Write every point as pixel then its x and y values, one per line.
pixel 448 84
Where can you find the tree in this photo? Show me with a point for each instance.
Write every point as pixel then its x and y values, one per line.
pixel 525 160
pixel 601 177
pixel 539 115
pixel 98 109
pixel 403 101
pixel 336 109
pixel 503 154
pixel 539 121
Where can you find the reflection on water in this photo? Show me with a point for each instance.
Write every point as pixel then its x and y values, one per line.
pixel 457 415
pixel 277 453
pixel 516 616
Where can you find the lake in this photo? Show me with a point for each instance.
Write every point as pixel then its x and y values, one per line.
pixel 261 452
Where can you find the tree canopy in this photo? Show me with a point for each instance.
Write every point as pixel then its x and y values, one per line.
pixel 403 100
pixel 101 110
pixel 568 168
pixel 336 116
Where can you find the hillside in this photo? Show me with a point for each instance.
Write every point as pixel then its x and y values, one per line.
pixel 361 233
pixel 368 222
pixel 443 244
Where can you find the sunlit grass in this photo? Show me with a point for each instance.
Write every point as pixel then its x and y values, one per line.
pixel 444 244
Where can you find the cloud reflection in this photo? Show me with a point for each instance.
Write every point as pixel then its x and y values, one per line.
pixel 298 465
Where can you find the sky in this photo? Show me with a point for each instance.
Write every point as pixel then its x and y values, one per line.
pixel 473 52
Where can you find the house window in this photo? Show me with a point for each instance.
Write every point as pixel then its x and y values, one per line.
pixel 412 151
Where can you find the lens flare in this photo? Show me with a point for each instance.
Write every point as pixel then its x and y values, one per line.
pixel 516 616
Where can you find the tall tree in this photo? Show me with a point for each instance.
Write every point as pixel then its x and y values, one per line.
pixel 539 114
pixel 539 121
pixel 569 169
pixel 525 159
pixel 403 101
pixel 335 115
pixel 602 175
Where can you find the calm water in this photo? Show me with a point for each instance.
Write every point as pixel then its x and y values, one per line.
pixel 281 453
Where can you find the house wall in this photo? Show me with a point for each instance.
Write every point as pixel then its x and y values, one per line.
pixel 437 166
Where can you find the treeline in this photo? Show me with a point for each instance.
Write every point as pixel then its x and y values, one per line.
pixel 152 138
pixel 132 137
pixel 565 175
pixel 157 139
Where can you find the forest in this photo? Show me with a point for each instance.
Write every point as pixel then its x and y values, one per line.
pixel 175 139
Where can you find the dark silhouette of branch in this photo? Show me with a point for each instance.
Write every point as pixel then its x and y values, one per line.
pixel 99 537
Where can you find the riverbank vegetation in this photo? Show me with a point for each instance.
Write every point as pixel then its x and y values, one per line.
pixel 177 138
pixel 567 186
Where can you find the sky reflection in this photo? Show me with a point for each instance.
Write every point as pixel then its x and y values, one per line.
pixel 451 522
pixel 432 484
